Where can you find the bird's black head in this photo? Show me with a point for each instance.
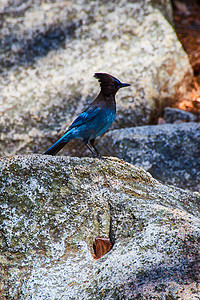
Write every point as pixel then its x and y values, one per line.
pixel 109 84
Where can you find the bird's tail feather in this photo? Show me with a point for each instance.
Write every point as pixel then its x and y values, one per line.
pixel 55 148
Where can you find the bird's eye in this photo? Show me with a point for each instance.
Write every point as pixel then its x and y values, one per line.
pixel 116 83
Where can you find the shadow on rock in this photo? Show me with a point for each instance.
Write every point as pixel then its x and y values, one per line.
pixel 34 44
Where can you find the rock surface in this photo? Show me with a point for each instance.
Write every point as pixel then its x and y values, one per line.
pixel 172 115
pixel 52 209
pixel 49 52
pixel 170 152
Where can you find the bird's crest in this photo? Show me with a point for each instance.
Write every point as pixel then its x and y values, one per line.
pixel 106 80
pixel 109 84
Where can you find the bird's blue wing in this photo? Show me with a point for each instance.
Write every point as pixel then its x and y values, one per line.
pixel 85 116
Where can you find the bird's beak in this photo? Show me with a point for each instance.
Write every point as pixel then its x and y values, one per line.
pixel 124 85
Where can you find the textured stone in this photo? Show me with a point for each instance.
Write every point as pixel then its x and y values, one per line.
pixel 170 152
pixel 49 52
pixel 172 115
pixel 53 208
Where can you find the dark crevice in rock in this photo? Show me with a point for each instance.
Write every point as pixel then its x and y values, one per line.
pixel 111 233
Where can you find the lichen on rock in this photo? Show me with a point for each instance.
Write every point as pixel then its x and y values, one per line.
pixel 53 208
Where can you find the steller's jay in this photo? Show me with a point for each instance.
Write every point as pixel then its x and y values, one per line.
pixel 96 119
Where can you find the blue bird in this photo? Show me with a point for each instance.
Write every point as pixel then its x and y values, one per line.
pixel 96 119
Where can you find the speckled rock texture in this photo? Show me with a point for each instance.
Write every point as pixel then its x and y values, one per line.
pixel 49 51
pixel 52 209
pixel 175 115
pixel 170 152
